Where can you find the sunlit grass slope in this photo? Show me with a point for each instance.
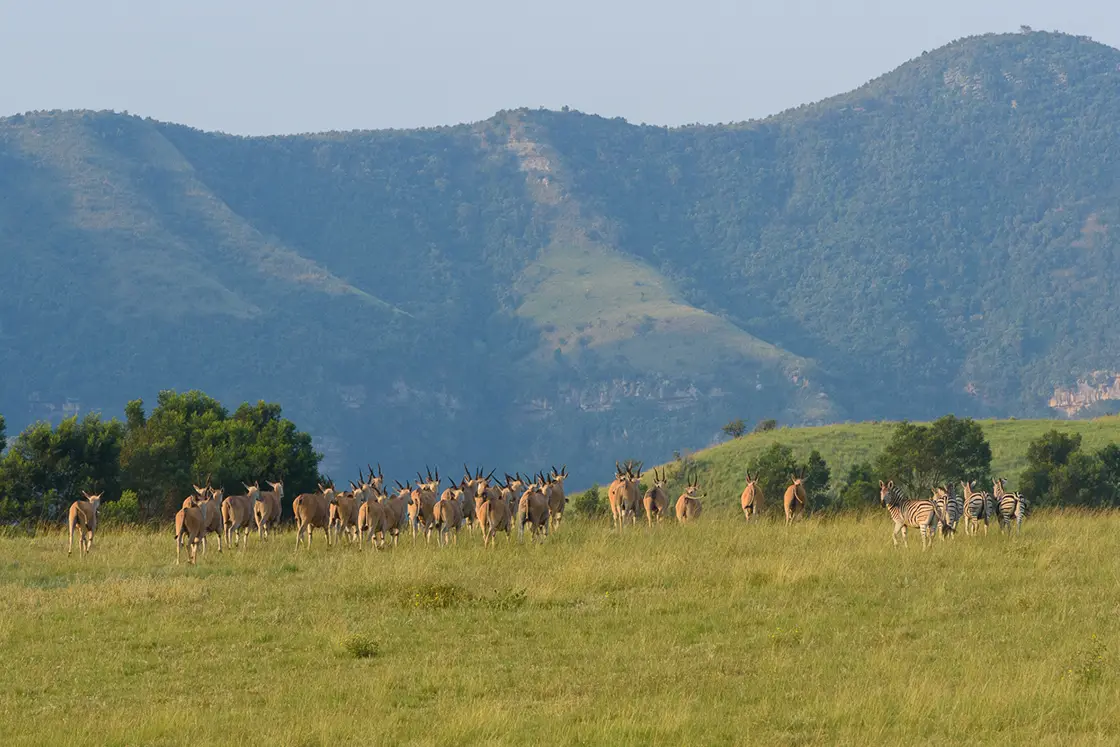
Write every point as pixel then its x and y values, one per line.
pixel 722 467
pixel 716 633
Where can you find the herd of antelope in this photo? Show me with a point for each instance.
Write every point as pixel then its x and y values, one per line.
pixel 369 512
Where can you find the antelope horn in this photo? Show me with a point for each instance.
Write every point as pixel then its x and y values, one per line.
pixel 399 486
pixel 379 471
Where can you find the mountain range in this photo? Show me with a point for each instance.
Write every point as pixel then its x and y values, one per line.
pixel 550 287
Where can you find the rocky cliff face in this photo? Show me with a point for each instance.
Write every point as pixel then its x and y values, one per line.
pixel 1099 386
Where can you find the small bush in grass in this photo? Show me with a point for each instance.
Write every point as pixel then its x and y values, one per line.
pixel 588 503
pixel 433 596
pixel 359 646
pixel 124 510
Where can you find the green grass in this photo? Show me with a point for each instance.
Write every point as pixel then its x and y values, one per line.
pixel 722 467
pixel 716 633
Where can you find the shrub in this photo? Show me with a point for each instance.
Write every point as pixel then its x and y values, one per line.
pixel 359 647
pixel 766 425
pixel 124 510
pixel 588 503
pixel 736 428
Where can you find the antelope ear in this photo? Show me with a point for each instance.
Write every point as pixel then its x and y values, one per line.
pixel 890 484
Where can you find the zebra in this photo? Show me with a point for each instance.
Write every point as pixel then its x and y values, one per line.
pixel 950 507
pixel 977 508
pixel 1009 507
pixel 908 512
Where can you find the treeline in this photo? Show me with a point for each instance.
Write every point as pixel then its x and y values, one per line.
pixel 950 450
pixel 146 464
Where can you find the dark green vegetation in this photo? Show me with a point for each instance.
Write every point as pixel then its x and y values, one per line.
pixel 145 466
pixel 557 287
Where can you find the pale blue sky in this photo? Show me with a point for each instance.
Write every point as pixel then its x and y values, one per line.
pixel 277 66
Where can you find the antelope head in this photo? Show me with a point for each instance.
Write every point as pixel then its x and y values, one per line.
pixel 277 487
pixel 94 500
pixel 378 482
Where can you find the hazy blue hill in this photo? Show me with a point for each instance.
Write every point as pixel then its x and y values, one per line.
pixel 556 286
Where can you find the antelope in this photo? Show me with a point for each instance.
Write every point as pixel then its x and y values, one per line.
pixel 623 494
pixel 343 514
pixel 396 509
pixel 656 500
pixel 312 510
pixel 447 515
pixel 237 511
pixel 484 490
pixel 210 503
pixel 556 497
pixel 495 516
pixel 688 505
pixel 751 499
pixel 371 520
pixel 266 509
pixel 189 525
pixel 421 504
pixel 533 510
pixel 794 498
pixel 512 491
pixel 83 517
pixel 469 502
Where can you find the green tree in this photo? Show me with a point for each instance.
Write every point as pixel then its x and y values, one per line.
pixel 190 438
pixel 950 449
pixel 860 489
pixel 817 477
pixel 1059 473
pixel 736 428
pixel 589 503
pixel 3 436
pixel 766 425
pixel 773 467
pixel 47 468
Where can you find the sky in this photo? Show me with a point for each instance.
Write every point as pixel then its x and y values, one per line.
pixel 280 66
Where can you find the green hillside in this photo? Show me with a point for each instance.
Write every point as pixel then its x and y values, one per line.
pixel 722 467
pixel 560 287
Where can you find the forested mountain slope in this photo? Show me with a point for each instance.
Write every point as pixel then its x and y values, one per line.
pixel 553 286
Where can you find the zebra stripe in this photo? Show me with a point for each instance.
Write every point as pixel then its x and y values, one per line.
pixel 950 507
pixel 1010 508
pixel 975 509
pixel 908 512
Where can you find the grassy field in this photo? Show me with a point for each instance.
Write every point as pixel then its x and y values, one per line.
pixel 715 633
pixel 722 467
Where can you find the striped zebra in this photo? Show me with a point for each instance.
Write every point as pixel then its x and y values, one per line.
pixel 977 508
pixel 908 512
pixel 950 507
pixel 1009 506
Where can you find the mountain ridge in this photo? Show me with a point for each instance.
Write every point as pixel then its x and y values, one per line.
pixel 545 286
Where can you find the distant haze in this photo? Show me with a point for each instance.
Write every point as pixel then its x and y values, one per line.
pixel 257 67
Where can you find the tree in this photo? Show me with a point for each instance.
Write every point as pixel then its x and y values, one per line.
pixel 190 438
pixel 766 425
pixel 860 490
pixel 736 428
pixel 47 468
pixel 1059 473
pixel 817 476
pixel 773 467
pixel 3 436
pixel 948 450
